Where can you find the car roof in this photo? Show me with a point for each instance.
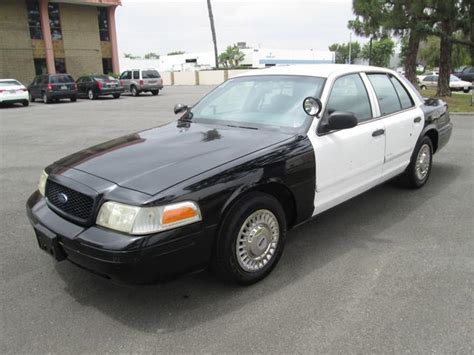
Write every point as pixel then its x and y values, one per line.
pixel 318 70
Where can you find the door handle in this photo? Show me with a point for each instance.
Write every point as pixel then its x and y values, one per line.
pixel 417 120
pixel 378 132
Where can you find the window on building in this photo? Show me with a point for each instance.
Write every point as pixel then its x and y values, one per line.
pixel 55 22
pixel 60 65
pixel 40 66
pixel 103 24
pixel 107 65
pixel 34 19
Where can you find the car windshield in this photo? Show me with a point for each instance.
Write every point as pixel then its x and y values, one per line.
pixel 59 79
pixel 10 83
pixel 150 74
pixel 271 101
pixel 454 78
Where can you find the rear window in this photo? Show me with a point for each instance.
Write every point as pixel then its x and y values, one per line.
pixel 10 83
pixel 150 74
pixel 103 77
pixel 59 79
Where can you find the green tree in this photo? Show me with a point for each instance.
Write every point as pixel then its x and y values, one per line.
pixel 130 56
pixel 231 57
pixel 428 54
pixel 176 53
pixel 342 52
pixel 151 55
pixel 380 53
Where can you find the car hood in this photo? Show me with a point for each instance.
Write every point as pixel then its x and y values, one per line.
pixel 156 159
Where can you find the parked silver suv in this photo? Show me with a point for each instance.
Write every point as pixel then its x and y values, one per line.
pixel 137 81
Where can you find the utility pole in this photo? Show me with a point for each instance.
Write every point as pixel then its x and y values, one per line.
pixel 213 31
pixel 350 47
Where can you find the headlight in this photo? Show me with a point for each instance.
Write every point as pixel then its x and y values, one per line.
pixel 146 220
pixel 42 183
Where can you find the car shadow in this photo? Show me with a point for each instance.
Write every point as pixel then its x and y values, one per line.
pixel 11 106
pixel 356 224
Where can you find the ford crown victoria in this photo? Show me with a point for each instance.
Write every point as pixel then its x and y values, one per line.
pixel 223 184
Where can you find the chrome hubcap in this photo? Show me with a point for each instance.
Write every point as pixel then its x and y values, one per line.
pixel 257 240
pixel 422 165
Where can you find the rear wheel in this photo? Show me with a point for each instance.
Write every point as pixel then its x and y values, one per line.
pixel 25 103
pixel 419 170
pixel 135 91
pixel 30 97
pixel 466 90
pixel 155 92
pixel 116 96
pixel 74 99
pixel 91 95
pixel 423 87
pixel 250 240
pixel 46 99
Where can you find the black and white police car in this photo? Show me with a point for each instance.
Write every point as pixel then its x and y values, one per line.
pixel 223 184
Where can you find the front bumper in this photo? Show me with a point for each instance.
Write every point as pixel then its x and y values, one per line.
pixel 124 258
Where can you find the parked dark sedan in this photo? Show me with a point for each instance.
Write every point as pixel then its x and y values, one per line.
pixel 220 187
pixel 53 87
pixel 94 86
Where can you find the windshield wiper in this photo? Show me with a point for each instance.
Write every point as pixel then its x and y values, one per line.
pixel 246 127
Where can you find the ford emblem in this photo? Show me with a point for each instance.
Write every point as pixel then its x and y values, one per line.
pixel 62 198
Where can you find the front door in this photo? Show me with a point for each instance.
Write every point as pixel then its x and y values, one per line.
pixel 348 161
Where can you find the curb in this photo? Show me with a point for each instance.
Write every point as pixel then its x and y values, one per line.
pixel 461 113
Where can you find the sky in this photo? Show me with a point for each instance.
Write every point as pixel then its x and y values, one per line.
pixel 162 26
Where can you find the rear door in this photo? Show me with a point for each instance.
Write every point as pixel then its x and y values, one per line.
pixel 402 119
pixel 348 161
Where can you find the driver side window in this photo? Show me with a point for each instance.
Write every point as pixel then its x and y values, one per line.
pixel 348 94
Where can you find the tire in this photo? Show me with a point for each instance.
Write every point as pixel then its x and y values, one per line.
pixel 74 99
pixel 423 87
pixel 267 221
pixel 30 97
pixel 418 172
pixel 155 92
pixel 135 91
pixel 116 96
pixel 91 95
pixel 26 103
pixel 466 90
pixel 46 99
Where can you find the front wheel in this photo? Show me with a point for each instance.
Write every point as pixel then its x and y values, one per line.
pixel 466 90
pixel 30 97
pixel 419 170
pixel 74 99
pixel 116 96
pixel 25 103
pixel 250 240
pixel 155 92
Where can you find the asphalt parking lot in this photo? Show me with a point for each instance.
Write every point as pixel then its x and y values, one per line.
pixel 389 271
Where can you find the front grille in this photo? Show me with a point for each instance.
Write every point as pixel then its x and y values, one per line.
pixel 76 205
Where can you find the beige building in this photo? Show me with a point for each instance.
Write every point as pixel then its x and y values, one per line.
pixel 57 36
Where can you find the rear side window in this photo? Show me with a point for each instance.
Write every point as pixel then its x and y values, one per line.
pixel 405 98
pixel 349 94
pixel 150 74
pixel 386 94
pixel 136 75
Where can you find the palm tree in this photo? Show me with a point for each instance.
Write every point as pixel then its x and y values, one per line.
pixel 213 30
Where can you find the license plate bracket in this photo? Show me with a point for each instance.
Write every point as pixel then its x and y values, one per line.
pixel 48 242
pixel 63 87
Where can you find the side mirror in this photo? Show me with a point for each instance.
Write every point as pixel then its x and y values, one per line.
pixel 312 106
pixel 179 108
pixel 340 120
